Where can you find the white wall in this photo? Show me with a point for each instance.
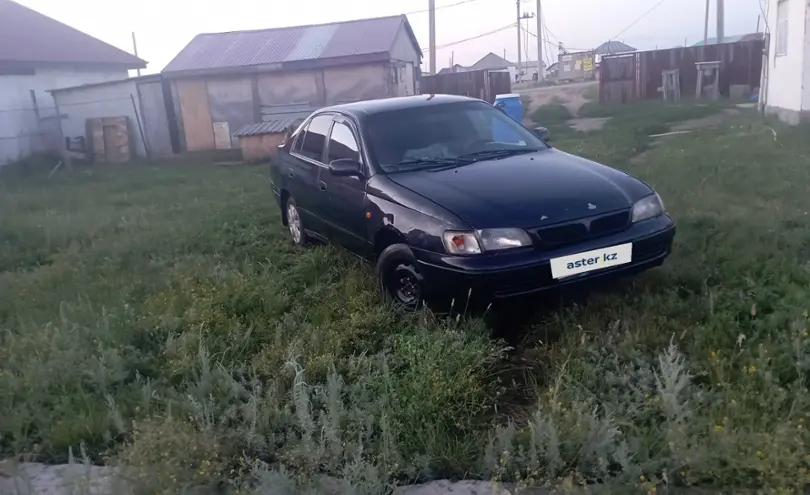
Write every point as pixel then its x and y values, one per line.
pixel 18 124
pixel 107 100
pixel 806 65
pixel 404 51
pixel 785 71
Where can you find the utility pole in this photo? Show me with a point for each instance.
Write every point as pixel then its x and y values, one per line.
pixel 520 18
pixel 540 71
pixel 518 34
pixel 706 25
pixel 432 22
pixel 135 49
pixel 721 21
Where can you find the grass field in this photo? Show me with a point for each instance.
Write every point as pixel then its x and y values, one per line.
pixel 157 316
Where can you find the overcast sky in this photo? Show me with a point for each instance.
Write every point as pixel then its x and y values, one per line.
pixel 164 27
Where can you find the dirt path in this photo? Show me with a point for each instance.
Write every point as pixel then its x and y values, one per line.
pixel 570 95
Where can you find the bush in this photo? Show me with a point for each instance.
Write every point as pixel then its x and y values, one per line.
pixel 552 115
pixel 167 455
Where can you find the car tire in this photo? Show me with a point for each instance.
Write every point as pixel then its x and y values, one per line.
pixel 399 279
pixel 294 224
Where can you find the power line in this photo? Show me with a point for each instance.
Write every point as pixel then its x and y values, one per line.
pixel 548 44
pixel 453 43
pixel 568 48
pixel 549 31
pixel 462 2
pixel 645 14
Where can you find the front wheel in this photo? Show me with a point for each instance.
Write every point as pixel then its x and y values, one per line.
pixel 294 224
pixel 399 278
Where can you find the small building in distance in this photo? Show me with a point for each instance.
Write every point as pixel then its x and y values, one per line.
pixel 493 62
pixel 584 65
pixel 527 71
pixel 37 54
pixel 140 101
pixel 452 70
pixel 259 142
pixel 578 66
pixel 223 82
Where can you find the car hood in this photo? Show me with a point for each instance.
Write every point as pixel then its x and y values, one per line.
pixel 525 191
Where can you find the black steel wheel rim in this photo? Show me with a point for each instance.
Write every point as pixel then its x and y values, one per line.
pixel 405 285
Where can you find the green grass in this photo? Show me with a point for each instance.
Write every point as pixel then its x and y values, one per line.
pixel 157 316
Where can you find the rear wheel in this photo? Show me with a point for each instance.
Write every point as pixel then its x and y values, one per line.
pixel 294 224
pixel 399 278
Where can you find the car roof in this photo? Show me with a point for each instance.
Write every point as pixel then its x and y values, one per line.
pixel 370 107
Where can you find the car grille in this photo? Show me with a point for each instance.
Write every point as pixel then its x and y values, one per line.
pixel 587 228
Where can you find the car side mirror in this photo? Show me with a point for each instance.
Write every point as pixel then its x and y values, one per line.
pixel 346 167
pixel 543 133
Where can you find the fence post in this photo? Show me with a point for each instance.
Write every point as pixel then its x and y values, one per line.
pixel 140 127
pixel 63 151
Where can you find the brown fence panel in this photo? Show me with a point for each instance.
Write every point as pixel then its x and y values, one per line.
pixel 617 79
pixel 741 65
pixel 500 83
pixel 480 84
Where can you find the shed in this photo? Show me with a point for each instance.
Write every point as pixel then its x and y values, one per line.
pixel 576 66
pixel 259 142
pixel 141 100
pixel 223 82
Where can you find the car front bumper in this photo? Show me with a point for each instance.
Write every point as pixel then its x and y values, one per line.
pixel 527 271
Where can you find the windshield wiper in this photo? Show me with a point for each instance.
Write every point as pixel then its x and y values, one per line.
pixel 483 155
pixel 419 163
pixel 503 153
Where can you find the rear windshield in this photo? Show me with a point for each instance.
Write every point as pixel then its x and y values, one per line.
pixel 446 131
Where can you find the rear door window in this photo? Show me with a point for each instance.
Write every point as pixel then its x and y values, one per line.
pixel 299 141
pixel 313 142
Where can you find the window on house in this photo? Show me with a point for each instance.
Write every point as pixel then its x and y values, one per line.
pixel 782 27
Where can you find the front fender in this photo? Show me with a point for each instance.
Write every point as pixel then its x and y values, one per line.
pixel 417 220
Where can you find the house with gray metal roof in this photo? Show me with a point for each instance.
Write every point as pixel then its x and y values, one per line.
pixel 223 83
pixel 38 54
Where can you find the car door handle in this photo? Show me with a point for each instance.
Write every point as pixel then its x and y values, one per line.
pixel 323 186
pixel 290 173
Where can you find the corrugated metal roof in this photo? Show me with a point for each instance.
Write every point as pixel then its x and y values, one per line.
pixel 272 126
pixel 138 80
pixel 492 61
pixel 289 44
pixel 28 38
pixel 611 47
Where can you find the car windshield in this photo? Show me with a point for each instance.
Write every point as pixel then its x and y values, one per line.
pixel 444 135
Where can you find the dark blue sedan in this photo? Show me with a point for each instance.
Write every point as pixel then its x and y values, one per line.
pixel 447 194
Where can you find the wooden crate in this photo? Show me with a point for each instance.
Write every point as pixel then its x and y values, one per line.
pixel 109 138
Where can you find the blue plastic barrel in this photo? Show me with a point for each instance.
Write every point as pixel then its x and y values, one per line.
pixel 511 104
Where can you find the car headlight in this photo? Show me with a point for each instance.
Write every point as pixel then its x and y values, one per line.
pixel 478 241
pixel 649 207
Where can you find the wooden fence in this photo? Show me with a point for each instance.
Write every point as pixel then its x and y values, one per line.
pixel 637 76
